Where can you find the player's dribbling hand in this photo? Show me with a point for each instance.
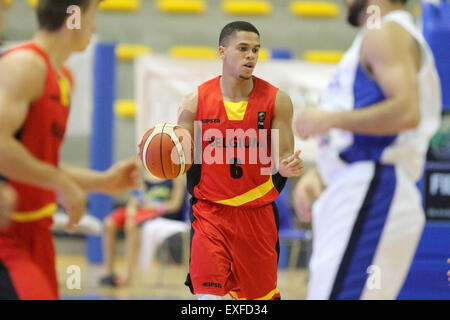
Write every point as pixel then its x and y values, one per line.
pixel 307 190
pixel 7 203
pixel 312 121
pixel 123 176
pixel 292 166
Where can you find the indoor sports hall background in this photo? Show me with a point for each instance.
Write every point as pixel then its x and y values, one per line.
pixel 148 54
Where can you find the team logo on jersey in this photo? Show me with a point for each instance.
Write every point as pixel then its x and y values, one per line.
pixel 210 120
pixel 212 284
pixel 261 119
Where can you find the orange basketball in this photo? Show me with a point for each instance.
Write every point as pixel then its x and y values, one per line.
pixel 167 151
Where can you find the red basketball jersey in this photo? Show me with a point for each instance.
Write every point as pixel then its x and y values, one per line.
pixel 42 134
pixel 235 151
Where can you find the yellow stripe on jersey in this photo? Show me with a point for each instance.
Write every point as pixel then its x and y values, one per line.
pixel 235 110
pixel 64 88
pixel 266 297
pixel 47 211
pixel 250 195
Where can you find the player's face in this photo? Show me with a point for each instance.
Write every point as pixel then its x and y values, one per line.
pixel 355 9
pixel 84 34
pixel 241 54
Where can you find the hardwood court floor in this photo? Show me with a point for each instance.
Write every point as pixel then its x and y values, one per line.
pixel 160 282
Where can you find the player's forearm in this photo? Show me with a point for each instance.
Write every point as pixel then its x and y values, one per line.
pixel 385 118
pixel 285 142
pixel 18 164
pixel 172 206
pixel 88 180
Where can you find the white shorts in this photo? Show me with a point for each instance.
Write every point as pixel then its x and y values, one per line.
pixel 366 227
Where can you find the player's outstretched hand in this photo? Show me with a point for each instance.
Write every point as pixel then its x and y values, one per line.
pixel 312 121
pixel 122 176
pixel 7 203
pixel 292 166
pixel 307 190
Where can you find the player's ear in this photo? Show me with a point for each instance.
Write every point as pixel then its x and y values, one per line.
pixel 221 51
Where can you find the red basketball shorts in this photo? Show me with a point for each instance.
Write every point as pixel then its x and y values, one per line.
pixel 119 216
pixel 234 250
pixel 27 261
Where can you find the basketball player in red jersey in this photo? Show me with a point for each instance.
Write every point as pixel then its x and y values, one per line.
pixel 34 107
pixel 234 244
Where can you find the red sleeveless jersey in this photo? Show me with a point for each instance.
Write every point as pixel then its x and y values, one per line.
pixel 234 151
pixel 42 134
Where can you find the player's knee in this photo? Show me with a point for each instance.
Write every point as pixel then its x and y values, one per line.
pixel 131 226
pixel 110 225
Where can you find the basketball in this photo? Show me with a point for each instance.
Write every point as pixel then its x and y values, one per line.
pixel 166 151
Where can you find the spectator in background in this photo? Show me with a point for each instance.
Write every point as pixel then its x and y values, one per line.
pixel 156 198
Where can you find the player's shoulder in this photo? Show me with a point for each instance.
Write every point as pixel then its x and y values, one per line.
pixel 25 67
pixel 24 61
pixel 190 101
pixel 264 84
pixel 283 98
pixel 283 103
pixel 388 35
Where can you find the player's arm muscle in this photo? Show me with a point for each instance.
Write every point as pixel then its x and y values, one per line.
pixel 22 80
pixel 388 52
pixel 187 112
pixel 282 122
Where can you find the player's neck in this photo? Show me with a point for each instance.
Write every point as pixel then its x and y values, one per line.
pixel 54 45
pixel 235 90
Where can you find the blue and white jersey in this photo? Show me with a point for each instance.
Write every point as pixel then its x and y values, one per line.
pixel 352 88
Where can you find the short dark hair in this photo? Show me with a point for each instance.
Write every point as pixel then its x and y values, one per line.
pixel 53 13
pixel 233 27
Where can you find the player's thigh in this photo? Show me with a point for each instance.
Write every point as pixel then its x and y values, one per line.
pixel 211 256
pixel 404 225
pixel 333 217
pixel 210 264
pixel 255 253
pixel 21 277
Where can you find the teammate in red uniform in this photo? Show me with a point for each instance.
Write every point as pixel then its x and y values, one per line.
pixel 34 107
pixel 234 244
